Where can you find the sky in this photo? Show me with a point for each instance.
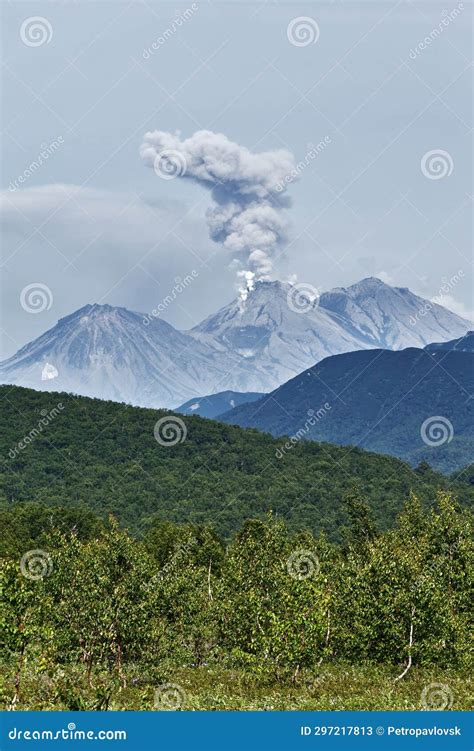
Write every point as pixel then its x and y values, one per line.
pixel 383 87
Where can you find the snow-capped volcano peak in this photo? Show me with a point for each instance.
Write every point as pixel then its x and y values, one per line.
pixel 266 303
pixel 366 285
pixel 391 317
pixel 275 331
pixel 109 352
pixel 255 344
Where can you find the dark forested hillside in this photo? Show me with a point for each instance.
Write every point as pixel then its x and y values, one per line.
pixel 463 344
pixel 65 451
pixel 414 404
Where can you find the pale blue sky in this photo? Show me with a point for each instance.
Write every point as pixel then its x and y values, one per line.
pixel 117 233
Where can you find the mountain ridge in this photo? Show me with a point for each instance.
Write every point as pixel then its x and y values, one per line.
pixel 213 405
pixel 463 344
pixel 247 346
pixel 380 400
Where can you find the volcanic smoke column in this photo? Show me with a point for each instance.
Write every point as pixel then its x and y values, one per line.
pixel 247 218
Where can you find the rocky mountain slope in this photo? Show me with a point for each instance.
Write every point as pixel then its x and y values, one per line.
pixel 248 346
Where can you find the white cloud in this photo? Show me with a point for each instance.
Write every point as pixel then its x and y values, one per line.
pixel 92 245
pixel 456 306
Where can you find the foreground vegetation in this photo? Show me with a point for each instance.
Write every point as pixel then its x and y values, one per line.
pixel 64 451
pixel 204 688
pixel 275 619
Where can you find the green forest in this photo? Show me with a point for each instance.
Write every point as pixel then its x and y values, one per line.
pixel 105 455
pixel 209 574
pixel 96 619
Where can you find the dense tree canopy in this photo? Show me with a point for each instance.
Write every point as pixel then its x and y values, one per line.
pixel 104 456
pixel 271 602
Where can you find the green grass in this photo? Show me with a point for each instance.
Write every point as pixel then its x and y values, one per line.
pixel 333 687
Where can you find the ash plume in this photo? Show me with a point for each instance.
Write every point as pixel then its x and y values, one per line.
pixel 247 219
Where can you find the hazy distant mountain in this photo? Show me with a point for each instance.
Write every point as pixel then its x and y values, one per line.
pixel 108 352
pixel 392 317
pixel 248 346
pixel 215 404
pixel 276 340
pixel 464 344
pixel 280 342
pixel 377 400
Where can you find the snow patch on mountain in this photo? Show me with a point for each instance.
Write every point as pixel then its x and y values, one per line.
pixel 251 345
pixel 107 352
